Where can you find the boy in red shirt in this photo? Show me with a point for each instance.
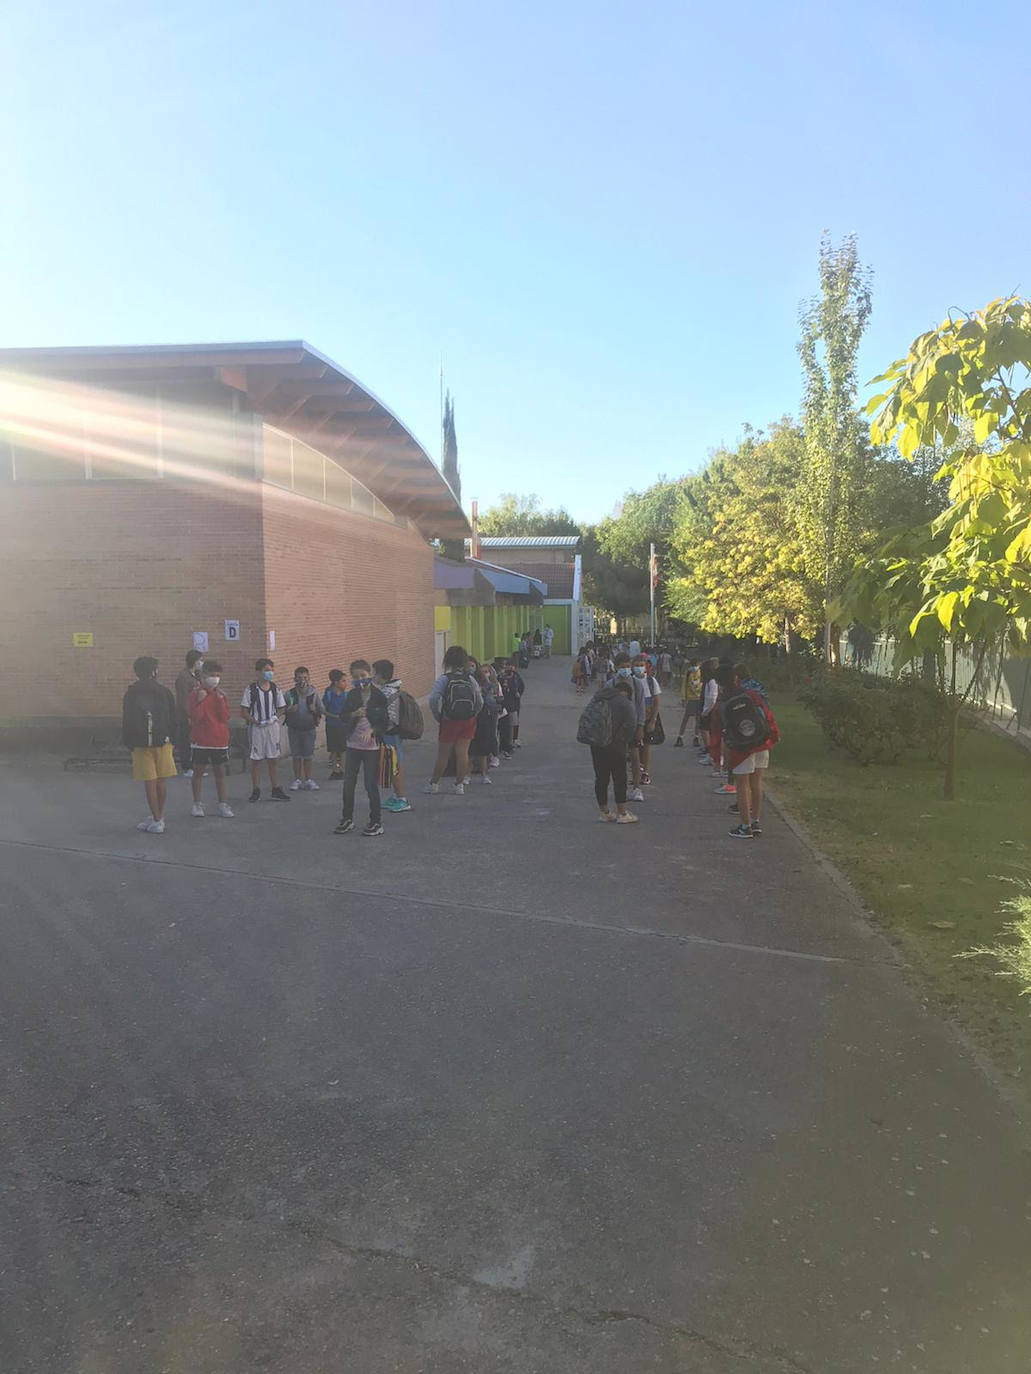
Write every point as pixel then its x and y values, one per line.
pixel 746 761
pixel 208 707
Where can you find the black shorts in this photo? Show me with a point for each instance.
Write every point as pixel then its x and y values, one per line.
pixel 210 758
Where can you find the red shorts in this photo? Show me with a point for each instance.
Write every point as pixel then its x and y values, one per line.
pixel 454 731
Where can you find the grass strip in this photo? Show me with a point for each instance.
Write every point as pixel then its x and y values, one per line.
pixel 928 869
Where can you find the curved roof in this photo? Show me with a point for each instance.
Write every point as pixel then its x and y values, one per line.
pixel 303 393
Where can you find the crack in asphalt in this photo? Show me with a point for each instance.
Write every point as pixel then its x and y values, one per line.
pixel 747 1350
pixel 540 918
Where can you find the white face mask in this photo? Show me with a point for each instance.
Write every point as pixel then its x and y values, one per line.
pixel 212 681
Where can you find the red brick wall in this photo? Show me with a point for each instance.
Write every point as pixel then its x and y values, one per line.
pixel 141 565
pixel 341 586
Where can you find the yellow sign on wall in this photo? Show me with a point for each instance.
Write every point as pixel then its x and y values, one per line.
pixel 83 639
pixel 442 617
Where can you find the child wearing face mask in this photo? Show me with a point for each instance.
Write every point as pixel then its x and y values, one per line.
pixel 208 708
pixel 262 707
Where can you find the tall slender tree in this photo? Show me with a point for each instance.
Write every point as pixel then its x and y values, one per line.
pixel 451 548
pixel 836 454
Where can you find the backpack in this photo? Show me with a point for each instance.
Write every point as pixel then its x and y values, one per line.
pixel 458 701
pixel 744 722
pixel 149 722
pixel 409 716
pixel 595 725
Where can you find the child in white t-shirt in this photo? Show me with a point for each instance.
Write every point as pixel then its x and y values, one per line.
pixel 262 707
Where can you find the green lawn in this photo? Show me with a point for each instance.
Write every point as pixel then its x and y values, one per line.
pixel 917 859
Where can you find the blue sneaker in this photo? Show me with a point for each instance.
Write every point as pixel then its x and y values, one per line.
pixel 397 804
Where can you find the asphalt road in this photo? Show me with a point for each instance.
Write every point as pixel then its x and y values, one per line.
pixel 504 1090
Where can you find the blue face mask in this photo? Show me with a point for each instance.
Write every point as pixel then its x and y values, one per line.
pixel 638 672
pixel 268 675
pixel 622 672
pixel 362 681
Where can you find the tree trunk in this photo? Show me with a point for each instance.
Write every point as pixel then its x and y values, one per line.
pixel 951 742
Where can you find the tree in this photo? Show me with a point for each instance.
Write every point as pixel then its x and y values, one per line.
pixel 522 515
pixel 836 459
pixel 737 547
pixel 966 576
pixel 613 587
pixel 451 548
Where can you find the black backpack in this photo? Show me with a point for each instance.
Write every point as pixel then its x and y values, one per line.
pixel 744 722
pixel 149 721
pixel 459 699
pixel 409 716
pixel 595 725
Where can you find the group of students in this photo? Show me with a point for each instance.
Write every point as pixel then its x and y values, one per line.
pixel 734 731
pixel 621 724
pixel 368 717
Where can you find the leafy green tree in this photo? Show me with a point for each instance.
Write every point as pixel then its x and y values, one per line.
pixel 613 587
pixel 522 515
pixel 836 457
pixel 737 546
pixel 964 579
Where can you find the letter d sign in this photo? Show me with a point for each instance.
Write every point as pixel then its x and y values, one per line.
pixel 232 630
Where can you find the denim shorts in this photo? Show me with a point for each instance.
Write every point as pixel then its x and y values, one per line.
pixel 302 743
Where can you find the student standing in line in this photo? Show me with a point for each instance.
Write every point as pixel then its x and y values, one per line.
pixel 185 682
pixel 303 713
pixel 613 722
pixel 262 706
pixel 209 735
pixel 625 671
pixel 333 699
pixel 148 728
pixel 710 691
pixel 652 691
pixel 690 694
pixel 383 678
pixel 366 720
pixel 549 636
pixel 749 731
pixel 512 688
pixel 455 701
pixel 484 742
pixel 665 667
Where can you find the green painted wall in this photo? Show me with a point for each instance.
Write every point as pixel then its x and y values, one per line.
pixel 558 618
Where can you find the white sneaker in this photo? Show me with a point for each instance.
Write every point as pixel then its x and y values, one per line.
pixel 186 773
pixel 145 824
pixel 312 786
pixel 635 794
pixel 485 780
pixel 197 809
pixel 494 761
pixel 431 788
pixel 467 780
pixel 627 818
pixel 225 810
pixel 156 828
pixel 296 785
pixel 459 789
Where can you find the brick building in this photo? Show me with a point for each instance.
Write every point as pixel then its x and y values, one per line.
pixel 553 560
pixel 254 493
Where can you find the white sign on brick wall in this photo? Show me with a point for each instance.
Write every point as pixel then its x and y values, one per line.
pixel 232 630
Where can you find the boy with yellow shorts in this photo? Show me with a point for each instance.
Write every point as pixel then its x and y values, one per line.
pixel 148 728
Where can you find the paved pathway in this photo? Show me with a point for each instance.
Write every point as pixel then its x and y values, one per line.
pixel 505 1090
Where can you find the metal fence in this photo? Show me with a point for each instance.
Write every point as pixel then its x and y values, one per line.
pixel 1002 685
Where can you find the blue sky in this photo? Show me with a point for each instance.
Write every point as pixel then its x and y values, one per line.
pixel 603 217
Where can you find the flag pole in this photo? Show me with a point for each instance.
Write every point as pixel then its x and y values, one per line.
pixel 651 595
